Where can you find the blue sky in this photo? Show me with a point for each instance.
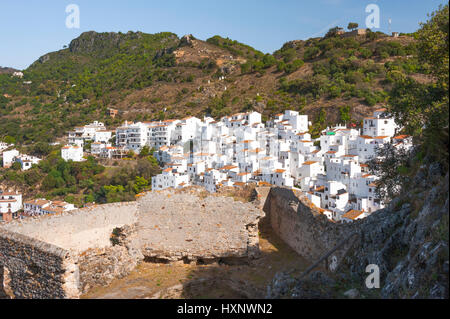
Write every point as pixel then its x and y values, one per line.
pixel 32 28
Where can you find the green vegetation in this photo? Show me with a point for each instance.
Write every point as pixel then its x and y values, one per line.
pixel 352 26
pixel 421 108
pixel 347 67
pixel 76 85
pixel 236 48
pixel 344 112
pixel 73 86
pixel 87 181
pixel 116 236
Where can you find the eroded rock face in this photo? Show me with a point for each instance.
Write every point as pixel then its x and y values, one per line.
pixel 316 286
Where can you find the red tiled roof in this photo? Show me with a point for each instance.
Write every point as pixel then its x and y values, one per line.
pixel 352 214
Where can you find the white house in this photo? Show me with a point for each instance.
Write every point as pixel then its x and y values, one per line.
pixel 10 204
pixel 72 153
pixel 8 157
pixel 18 74
pixel 26 161
pixel 380 124
pixel 96 148
pixel 132 136
pixel 39 207
pixel 103 136
pixel 4 146
pixel 353 215
pixel 368 146
pixel 88 132
pixel 169 179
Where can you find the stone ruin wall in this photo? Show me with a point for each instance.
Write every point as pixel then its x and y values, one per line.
pixel 300 224
pixel 34 269
pixel 60 256
pixel 65 255
pixel 182 226
pixel 78 230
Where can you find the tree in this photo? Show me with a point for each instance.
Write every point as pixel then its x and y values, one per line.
pixel 391 165
pixel 333 32
pixel 9 140
pixel 145 151
pixel 370 35
pixel 423 108
pixel 269 60
pixel 41 149
pixel 16 166
pixel 344 112
pixel 140 184
pixel 294 66
pixel 352 26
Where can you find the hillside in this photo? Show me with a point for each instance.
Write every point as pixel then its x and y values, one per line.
pixel 158 76
pixel 5 70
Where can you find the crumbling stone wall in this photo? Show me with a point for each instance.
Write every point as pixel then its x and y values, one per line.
pixel 36 269
pixel 99 267
pixel 78 230
pixel 63 256
pixel 302 226
pixel 174 226
pixel 59 256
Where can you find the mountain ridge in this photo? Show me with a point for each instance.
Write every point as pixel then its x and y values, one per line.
pixel 7 70
pixel 161 76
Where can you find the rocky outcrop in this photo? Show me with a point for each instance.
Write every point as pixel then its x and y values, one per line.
pixel 187 40
pixel 409 244
pixel 91 41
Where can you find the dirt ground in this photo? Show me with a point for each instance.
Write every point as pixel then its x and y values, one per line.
pixel 151 280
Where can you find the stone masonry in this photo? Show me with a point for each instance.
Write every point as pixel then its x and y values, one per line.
pixel 63 256
pixel 301 225
pixel 178 226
